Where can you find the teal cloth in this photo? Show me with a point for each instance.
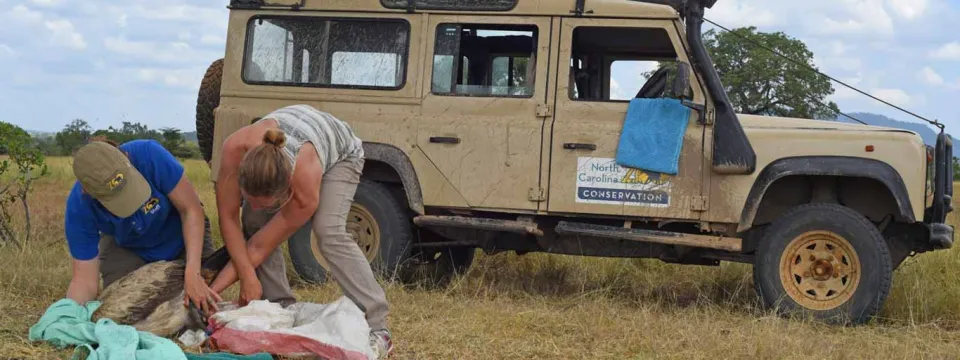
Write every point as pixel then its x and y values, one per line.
pixel 67 323
pixel 227 356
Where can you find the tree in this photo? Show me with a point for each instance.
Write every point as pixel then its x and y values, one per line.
pixel 128 132
pixel 761 83
pixel 73 136
pixel 17 173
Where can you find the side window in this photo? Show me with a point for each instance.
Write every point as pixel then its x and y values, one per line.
pixel 308 51
pixel 484 60
pixel 613 63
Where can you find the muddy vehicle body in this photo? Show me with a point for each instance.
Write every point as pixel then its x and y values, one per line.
pixel 495 125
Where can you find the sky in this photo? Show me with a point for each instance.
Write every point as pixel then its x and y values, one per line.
pixel 141 61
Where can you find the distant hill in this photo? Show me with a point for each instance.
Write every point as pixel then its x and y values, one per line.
pixel 41 134
pixel 190 136
pixel 927 132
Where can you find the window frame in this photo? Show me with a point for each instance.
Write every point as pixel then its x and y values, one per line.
pixel 607 67
pixel 535 36
pixel 407 5
pixel 249 38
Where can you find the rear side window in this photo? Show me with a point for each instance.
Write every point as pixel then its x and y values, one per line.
pixel 474 5
pixel 325 52
pixel 484 60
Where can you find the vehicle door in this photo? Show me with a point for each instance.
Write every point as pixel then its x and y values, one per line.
pixel 609 61
pixel 479 123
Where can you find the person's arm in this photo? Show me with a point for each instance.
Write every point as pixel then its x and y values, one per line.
pixel 185 199
pixel 83 242
pixel 228 208
pixel 306 197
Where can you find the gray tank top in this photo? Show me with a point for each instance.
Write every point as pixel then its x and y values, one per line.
pixel 333 138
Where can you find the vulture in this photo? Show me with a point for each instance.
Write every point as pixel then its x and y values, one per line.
pixel 151 298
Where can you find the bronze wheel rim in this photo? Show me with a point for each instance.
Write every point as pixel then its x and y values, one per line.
pixel 362 227
pixel 820 270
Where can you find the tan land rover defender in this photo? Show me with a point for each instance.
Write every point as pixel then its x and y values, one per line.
pixel 496 124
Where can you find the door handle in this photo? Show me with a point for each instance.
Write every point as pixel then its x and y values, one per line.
pixel 445 140
pixel 578 146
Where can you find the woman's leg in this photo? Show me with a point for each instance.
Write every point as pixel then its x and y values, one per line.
pixel 272 273
pixel 347 263
pixel 115 261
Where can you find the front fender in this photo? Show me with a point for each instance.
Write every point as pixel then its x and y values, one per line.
pixel 827 166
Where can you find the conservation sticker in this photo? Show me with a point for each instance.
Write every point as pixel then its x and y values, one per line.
pixel 602 181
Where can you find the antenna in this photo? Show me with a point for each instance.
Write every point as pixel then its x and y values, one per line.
pixel 808 67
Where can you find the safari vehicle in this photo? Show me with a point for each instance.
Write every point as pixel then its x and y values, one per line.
pixel 495 125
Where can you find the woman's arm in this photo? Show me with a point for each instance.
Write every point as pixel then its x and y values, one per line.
pixel 185 199
pixel 306 197
pixel 228 208
pixel 85 282
pixel 83 241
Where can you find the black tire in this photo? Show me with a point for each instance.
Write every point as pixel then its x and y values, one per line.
pixel 854 241
pixel 394 225
pixel 208 98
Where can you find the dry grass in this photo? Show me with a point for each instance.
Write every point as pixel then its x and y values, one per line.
pixel 552 306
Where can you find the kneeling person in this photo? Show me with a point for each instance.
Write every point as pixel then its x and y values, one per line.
pixel 131 205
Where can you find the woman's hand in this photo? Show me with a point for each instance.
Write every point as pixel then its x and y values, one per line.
pixel 197 291
pixel 250 289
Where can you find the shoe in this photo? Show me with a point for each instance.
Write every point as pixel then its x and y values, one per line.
pixel 381 343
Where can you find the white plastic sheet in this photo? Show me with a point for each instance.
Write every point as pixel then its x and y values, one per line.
pixel 337 330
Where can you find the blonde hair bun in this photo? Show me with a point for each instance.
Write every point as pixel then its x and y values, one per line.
pixel 274 137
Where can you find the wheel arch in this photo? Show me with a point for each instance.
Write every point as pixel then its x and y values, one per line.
pixel 840 167
pixel 385 162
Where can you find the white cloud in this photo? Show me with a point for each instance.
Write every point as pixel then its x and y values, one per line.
pixel 212 40
pixel 909 9
pixel 893 96
pixel 930 76
pixel 122 21
pixel 182 78
pixel 46 3
pixel 949 51
pixel 184 36
pixel 65 35
pixel 177 52
pixel 24 14
pixel 738 13
pixel 856 17
pixel 7 52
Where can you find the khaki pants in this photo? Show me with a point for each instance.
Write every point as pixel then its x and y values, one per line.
pixel 347 263
pixel 116 262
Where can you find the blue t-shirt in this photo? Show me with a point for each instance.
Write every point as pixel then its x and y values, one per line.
pixel 154 232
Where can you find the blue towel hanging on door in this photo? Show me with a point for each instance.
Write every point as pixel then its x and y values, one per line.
pixel 652 135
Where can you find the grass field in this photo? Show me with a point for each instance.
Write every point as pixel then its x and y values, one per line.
pixel 551 306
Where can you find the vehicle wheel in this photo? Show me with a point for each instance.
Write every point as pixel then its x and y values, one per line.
pixel 437 267
pixel 825 261
pixel 378 222
pixel 208 98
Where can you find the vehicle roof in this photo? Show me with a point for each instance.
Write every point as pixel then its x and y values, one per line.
pixel 592 8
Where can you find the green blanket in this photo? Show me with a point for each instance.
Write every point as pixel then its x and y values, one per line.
pixel 66 323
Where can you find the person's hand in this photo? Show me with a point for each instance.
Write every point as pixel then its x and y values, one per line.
pixel 197 291
pixel 250 290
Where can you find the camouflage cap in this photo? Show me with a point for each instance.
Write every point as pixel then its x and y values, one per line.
pixel 107 175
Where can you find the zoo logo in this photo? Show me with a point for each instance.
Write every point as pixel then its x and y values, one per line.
pixel 115 182
pixel 151 206
pixel 636 176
